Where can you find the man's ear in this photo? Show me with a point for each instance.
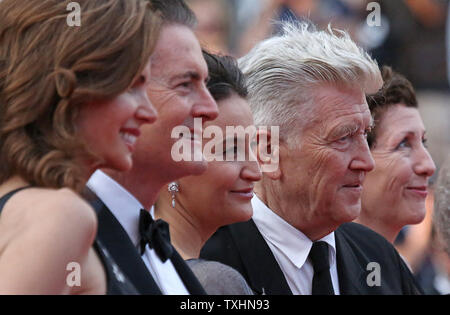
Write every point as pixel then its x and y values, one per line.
pixel 268 153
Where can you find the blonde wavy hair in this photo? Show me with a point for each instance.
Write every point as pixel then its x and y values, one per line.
pixel 48 69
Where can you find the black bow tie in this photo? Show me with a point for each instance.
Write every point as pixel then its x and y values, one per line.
pixel 155 234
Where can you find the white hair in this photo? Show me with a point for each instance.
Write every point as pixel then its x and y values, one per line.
pixel 282 72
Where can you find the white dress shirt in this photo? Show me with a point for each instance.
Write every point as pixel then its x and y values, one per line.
pixel 126 208
pixel 291 249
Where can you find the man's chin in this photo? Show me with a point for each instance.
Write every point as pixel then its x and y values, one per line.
pixel 346 212
pixel 351 213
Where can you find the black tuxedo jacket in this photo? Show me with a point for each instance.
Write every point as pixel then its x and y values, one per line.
pixel 116 240
pixel 242 247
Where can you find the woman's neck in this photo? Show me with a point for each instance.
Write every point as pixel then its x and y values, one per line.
pixel 11 184
pixel 387 231
pixel 188 234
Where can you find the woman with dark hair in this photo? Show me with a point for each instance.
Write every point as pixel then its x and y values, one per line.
pixel 394 192
pixel 196 206
pixel 72 100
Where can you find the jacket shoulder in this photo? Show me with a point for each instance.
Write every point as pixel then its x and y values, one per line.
pixel 219 243
pixel 222 247
pixel 355 231
pixel 367 246
pixel 366 242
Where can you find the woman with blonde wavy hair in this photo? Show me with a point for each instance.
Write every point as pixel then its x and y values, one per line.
pixel 72 100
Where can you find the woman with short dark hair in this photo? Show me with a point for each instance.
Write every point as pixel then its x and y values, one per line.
pixel 196 206
pixel 394 192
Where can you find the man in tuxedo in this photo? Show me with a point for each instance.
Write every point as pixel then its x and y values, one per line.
pixel 300 240
pixel 177 89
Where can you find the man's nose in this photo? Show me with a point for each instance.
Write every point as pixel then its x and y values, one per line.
pixel 205 107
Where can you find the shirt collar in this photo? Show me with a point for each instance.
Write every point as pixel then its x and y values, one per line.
pixel 292 242
pixel 125 207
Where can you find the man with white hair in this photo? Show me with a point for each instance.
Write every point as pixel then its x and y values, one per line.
pixel 312 84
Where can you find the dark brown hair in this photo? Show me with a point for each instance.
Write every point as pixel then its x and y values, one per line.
pixel 175 12
pixel 48 69
pixel 225 77
pixel 396 90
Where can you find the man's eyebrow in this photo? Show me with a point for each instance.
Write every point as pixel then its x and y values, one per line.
pixel 350 128
pixel 186 75
pixel 345 129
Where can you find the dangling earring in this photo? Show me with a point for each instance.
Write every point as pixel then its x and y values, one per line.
pixel 173 189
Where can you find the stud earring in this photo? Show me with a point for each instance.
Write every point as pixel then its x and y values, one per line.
pixel 173 189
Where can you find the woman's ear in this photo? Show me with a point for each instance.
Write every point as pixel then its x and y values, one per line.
pixel 268 153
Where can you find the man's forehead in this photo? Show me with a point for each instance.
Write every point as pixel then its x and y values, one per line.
pixel 331 101
pixel 350 112
pixel 175 41
pixel 332 90
pixel 184 57
pixel 335 117
pixel 348 109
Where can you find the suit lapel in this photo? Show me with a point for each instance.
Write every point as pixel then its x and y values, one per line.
pixel 116 241
pixel 264 273
pixel 350 273
pixel 187 276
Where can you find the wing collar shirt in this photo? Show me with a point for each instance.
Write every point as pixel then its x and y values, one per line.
pixel 126 208
pixel 291 249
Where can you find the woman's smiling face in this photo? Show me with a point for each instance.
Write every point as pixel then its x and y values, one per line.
pixel 395 191
pixel 110 128
pixel 223 193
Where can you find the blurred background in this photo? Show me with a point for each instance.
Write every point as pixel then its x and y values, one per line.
pixel 412 36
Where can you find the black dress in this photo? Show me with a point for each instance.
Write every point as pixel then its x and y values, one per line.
pixel 117 282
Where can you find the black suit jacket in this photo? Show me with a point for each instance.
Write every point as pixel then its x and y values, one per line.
pixel 242 247
pixel 116 240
